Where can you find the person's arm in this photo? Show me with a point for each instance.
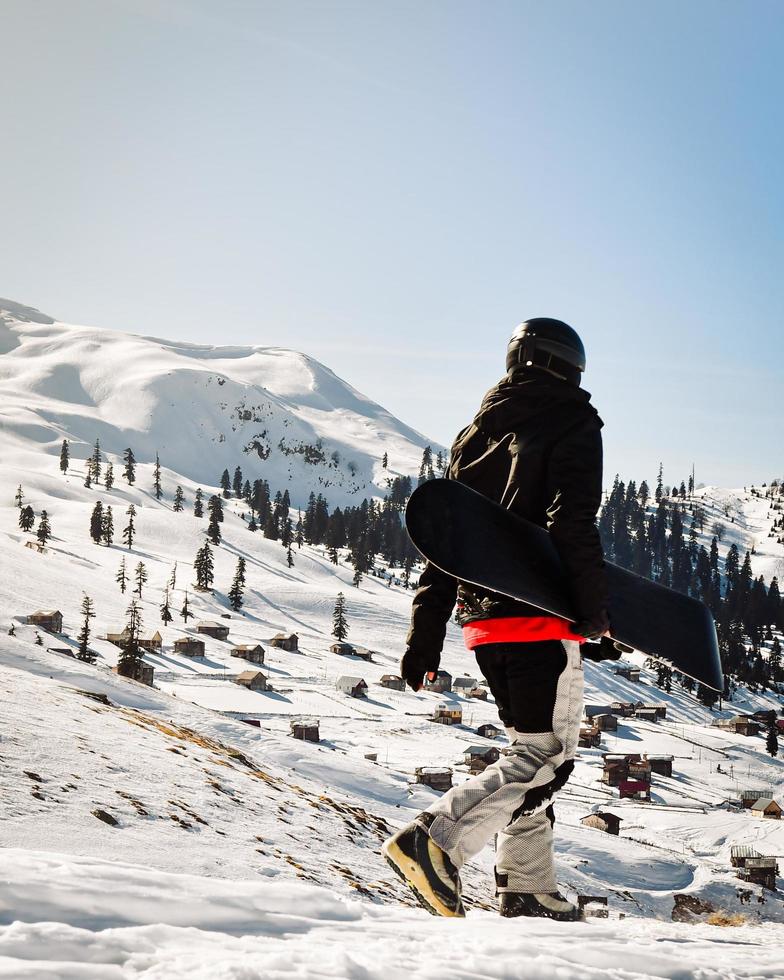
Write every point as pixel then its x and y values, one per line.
pixel 430 612
pixel 574 485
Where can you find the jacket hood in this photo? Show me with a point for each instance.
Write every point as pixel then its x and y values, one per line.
pixel 510 404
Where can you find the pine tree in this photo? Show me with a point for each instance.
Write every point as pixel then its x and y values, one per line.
pixel 130 659
pixel 215 506
pixel 44 531
pixel 95 462
pixel 659 486
pixel 289 556
pixel 65 456
pixel 237 586
pixel 122 576
pixel 173 577
pixel 88 473
pixel 339 621
pixel 357 578
pixel 84 653
pixel 185 612
pixel 772 741
pixel 385 461
pixel 108 479
pixel 299 533
pixel 236 483
pixel 107 527
pixel 26 518
pixel 288 533
pixel 225 483
pixel 332 551
pixel 198 505
pixel 96 522
pixel 130 466
pixel 19 496
pixel 179 499
pixel 140 577
pixel 213 528
pixel 156 481
pixel 166 616
pixel 204 567
pixel 252 525
pixel 130 529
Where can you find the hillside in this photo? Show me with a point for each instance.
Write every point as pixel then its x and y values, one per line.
pixel 154 832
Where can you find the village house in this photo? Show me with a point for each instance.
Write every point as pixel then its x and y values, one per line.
pixel 50 620
pixel 749 797
pixel 488 731
pixel 660 709
pixel 145 641
pixel 754 867
pixel 597 709
pixel 441 684
pixel 589 738
pixel 253 680
pixel 218 631
pixel 464 684
pixel 765 716
pixel 618 768
pixel 766 809
pixel 608 823
pixel 343 649
pixel 479 757
pixel 353 686
pixel 627 671
pixel 478 693
pixel 436 777
pixel 35 546
pixel 605 723
pixel 740 724
pixel 660 764
pixel 646 714
pixel 143 673
pixel 624 709
pixel 189 646
pixel 634 789
pixel 307 730
pixel 252 652
pixel 393 682
pixel 285 641
pixel 448 716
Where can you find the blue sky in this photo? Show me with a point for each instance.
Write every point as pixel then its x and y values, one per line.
pixel 391 187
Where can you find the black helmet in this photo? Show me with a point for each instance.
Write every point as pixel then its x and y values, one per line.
pixel 549 344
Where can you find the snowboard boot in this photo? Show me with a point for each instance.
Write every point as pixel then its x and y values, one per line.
pixel 425 868
pixel 548 905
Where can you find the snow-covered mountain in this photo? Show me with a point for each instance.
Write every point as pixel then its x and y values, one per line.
pixel 279 414
pixel 153 832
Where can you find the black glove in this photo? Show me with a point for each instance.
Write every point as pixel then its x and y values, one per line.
pixel 415 665
pixel 606 649
pixel 592 628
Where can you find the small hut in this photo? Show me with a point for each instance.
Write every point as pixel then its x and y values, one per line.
pixel 464 684
pixel 448 716
pixel 766 809
pixel 143 673
pixel 646 714
pixel 624 709
pixel 355 687
pixel 285 641
pixel 343 649
pixel 253 680
pixel 608 823
pixel 589 738
pixel 629 672
pixel 189 646
pixel 749 797
pixel 253 653
pixel 145 641
pixel 436 777
pixel 661 764
pixel 442 684
pixel 634 789
pixel 489 731
pixel 605 723
pixel 305 729
pixel 218 631
pixel 50 620
pixel 393 682
pixel 479 757
pixel 478 693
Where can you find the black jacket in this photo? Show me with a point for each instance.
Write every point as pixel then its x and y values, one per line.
pixel 535 446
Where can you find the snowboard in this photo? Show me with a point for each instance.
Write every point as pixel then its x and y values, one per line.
pixel 479 542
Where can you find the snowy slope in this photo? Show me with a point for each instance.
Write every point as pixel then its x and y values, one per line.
pixel 240 852
pixel 277 413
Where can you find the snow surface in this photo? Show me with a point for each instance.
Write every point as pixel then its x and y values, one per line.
pixel 238 851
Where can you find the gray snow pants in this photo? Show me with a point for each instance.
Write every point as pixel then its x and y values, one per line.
pixel 538 688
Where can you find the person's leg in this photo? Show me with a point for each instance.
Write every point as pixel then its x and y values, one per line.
pixel 539 695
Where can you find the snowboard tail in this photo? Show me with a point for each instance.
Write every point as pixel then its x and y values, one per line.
pixel 479 542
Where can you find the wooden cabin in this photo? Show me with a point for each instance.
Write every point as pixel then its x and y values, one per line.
pixel 627 671
pixel 143 673
pixel 393 682
pixel 479 757
pixel 589 738
pixel 749 797
pixel 766 809
pixel 634 789
pixel 660 709
pixel 285 641
pixel 343 649
pixel 478 693
pixel 597 709
pixel 442 684
pixel 355 687
pixel 661 764
pixel 754 867
pixel 145 641
pixel 608 823
pixel 189 646
pixel 218 631
pixel 252 652
pixel 646 714
pixel 605 723
pixel 253 680
pixel 436 777
pixel 308 730
pixel 624 709
pixel 464 684
pixel 50 620
pixel 489 731
pixel 445 715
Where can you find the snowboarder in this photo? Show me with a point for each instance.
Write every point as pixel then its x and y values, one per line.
pixel 535 447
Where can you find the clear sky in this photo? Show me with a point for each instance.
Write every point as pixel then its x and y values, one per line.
pixel 392 186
